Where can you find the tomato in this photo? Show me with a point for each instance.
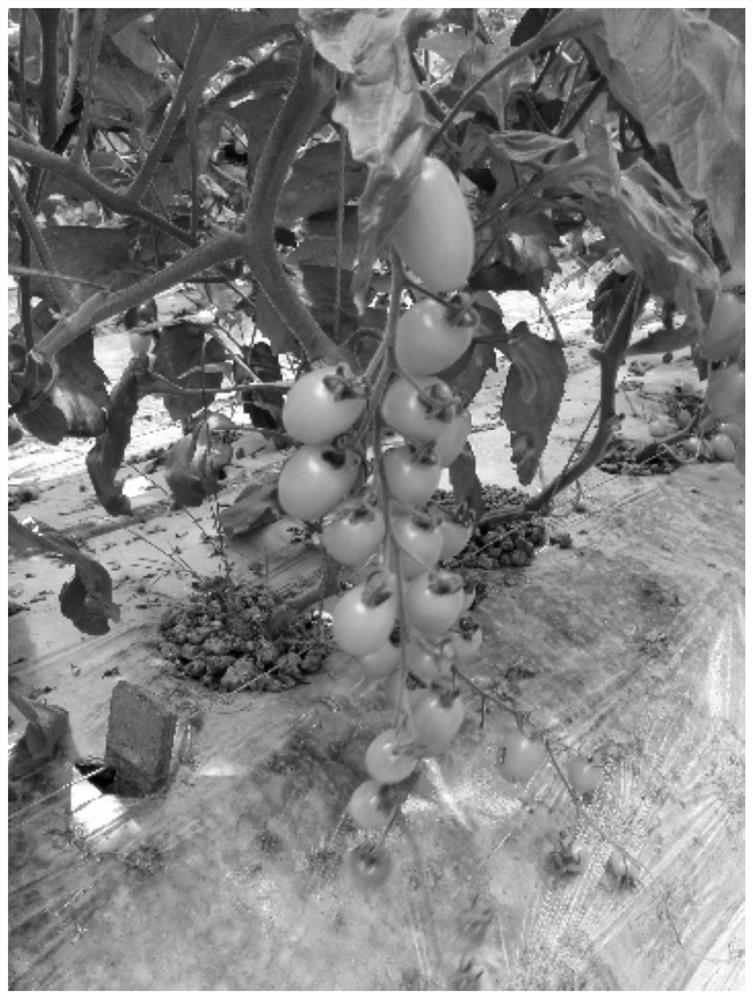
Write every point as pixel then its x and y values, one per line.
pixel 659 427
pixel 466 639
pixel 437 717
pixel 584 776
pixel 354 533
pixel 692 445
pixel 428 341
pixel 315 478
pixel 412 476
pixel 426 664
pixel 434 602
pixel 683 417
pixel 725 394
pixel 725 333
pixel 420 542
pixel 366 807
pixel 733 431
pixel 322 404
pixel 419 416
pixel 364 616
pixel 383 661
pixel 723 448
pixel 450 442
pixel 385 760
pixel 455 536
pixel 370 866
pixel 519 758
pixel 434 236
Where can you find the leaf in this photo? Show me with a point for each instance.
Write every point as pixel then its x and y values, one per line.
pixel 449 45
pixel 256 118
pixel 82 607
pixel 254 508
pixel 264 406
pixel 79 389
pixel 467 375
pixel 380 106
pixel 495 94
pixel 319 242
pixel 181 347
pixel 123 95
pixel 314 183
pixel 533 393
pixel 319 294
pixel 106 455
pixel 45 422
pixel 194 467
pixel 685 83
pixel 466 486
pixel 270 77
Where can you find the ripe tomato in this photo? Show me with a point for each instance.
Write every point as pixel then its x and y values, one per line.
pixel 450 442
pixel 725 333
pixel 364 616
pixel 354 533
pixel 725 394
pixel 323 403
pixel 733 431
pixel 466 639
pixel 315 478
pixel 420 542
pixel 434 236
pixel 583 775
pixel 383 661
pixel 386 763
pixel 659 427
pixel 723 448
pixel 437 717
pixel 455 536
pixel 434 602
pixel 428 665
pixel 370 866
pixel 419 416
pixel 426 339
pixel 519 758
pixel 412 476
pixel 366 807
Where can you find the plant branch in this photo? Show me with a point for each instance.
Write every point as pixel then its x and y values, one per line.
pixel 49 19
pixel 70 83
pixel 206 22
pixel 36 156
pixel 98 29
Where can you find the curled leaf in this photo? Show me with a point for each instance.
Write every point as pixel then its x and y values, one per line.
pixel 254 508
pixel 194 466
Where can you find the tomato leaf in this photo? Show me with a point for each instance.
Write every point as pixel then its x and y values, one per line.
pixel 495 94
pixel 314 183
pixel 264 406
pixel 532 396
pixel 380 106
pixel 181 347
pixel 84 608
pixel 106 456
pixel 194 467
pixel 254 508
pixel 467 375
pixel 466 486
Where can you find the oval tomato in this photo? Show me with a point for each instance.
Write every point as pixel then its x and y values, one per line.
pixel 420 416
pixel 434 602
pixel 364 616
pixel 412 476
pixel 434 236
pixel 354 534
pixel 370 866
pixel 723 448
pixel 451 441
pixel 420 543
pixel 733 431
pixel 519 758
pixel 466 639
pixel 455 535
pixel 385 760
pixel 725 394
pixel 725 333
pixel 437 717
pixel 315 478
pixel 583 775
pixel 323 403
pixel 428 341
pixel 366 807
pixel 428 665
pixel 383 661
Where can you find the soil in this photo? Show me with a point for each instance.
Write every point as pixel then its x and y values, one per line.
pixel 624 641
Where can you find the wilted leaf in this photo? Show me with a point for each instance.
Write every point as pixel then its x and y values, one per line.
pixel 106 456
pixel 45 422
pixel 466 486
pixel 685 84
pixel 181 348
pixel 123 95
pixel 254 508
pixel 314 183
pixel 264 406
pixel 82 607
pixel 380 107
pixel 495 94
pixel 194 466
pixel 79 390
pixel 532 396
pixel 467 375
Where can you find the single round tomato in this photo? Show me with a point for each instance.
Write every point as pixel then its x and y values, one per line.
pixel 434 236
pixel 354 533
pixel 434 602
pixel 428 341
pixel 323 403
pixel 723 448
pixel 370 866
pixel 428 665
pixel 466 639
pixel 725 334
pixel 725 394
pixel 366 806
pixel 451 441
pixel 519 758
pixel 583 775
pixel 455 536
pixel 733 431
pixel 385 760
pixel 364 616
pixel 315 478
pixel 437 717
pixel 659 427
pixel 420 416
pixel 420 543
pixel 383 661
pixel 412 476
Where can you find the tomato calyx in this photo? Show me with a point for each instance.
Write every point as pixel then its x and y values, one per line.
pixel 344 385
pixel 461 311
pixel 443 581
pixel 466 627
pixel 378 588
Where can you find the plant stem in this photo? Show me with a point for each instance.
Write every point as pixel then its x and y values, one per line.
pixel 70 83
pixel 98 29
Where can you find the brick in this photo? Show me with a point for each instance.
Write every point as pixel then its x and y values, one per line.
pixel 140 733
